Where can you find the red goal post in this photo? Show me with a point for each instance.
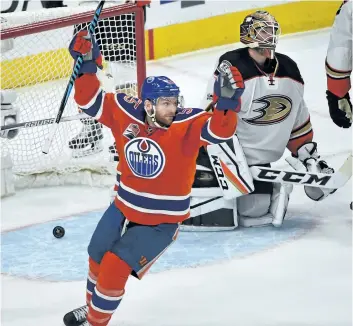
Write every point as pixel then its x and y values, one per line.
pixel 35 66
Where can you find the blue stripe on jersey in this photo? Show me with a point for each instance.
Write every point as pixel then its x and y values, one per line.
pixel 154 204
pixel 94 108
pixel 104 304
pixel 184 114
pixel 132 106
pixel 90 286
pixel 205 134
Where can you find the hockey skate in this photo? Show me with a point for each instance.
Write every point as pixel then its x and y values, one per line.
pixel 88 141
pixel 76 317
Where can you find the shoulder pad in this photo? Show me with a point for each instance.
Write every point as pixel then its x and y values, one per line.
pixel 132 106
pixel 187 114
pixel 288 68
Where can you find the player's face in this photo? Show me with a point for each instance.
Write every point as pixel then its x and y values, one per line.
pixel 166 109
pixel 267 53
pixel 268 35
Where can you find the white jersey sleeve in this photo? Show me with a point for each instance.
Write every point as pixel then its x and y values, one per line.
pixel 339 53
pixel 302 131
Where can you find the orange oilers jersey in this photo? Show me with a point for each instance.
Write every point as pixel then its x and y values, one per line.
pixel 157 167
pixel 339 52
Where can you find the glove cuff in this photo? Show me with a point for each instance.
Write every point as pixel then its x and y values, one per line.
pixel 88 67
pixel 333 96
pixel 226 104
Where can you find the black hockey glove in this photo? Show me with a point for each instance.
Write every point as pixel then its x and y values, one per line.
pixel 340 109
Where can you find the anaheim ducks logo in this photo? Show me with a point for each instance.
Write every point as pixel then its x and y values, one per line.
pixel 275 109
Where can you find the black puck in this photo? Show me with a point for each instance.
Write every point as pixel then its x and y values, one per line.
pixel 58 232
pixel 351 206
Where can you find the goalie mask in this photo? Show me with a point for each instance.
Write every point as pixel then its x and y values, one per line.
pixel 260 31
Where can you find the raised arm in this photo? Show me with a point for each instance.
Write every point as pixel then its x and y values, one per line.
pixel 89 95
pixel 227 91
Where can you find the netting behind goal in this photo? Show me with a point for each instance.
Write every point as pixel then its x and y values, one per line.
pixel 36 65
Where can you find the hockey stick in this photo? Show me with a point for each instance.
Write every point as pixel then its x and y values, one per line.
pixel 43 122
pixel 227 167
pixel 70 85
pixel 320 180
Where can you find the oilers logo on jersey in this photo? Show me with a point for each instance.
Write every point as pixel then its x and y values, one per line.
pixel 145 158
pixel 275 109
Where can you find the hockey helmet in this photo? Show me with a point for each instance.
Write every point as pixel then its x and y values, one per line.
pixel 157 87
pixel 260 30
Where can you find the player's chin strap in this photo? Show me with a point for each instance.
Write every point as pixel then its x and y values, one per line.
pixel 152 116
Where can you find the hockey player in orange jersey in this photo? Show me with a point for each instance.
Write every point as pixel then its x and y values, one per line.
pixel 158 142
pixel 339 67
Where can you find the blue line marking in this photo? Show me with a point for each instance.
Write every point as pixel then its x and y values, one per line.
pixel 34 253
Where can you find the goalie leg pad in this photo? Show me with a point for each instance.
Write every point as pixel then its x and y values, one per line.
pixel 253 210
pixel 266 207
pixel 279 202
pixel 210 212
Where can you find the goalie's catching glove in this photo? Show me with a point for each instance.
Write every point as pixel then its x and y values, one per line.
pixel 228 88
pixel 309 158
pixel 85 45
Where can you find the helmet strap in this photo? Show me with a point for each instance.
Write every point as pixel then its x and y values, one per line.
pixel 152 116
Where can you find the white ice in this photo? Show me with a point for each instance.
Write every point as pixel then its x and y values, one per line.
pixel 306 281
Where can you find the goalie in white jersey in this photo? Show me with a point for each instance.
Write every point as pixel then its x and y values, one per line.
pixel 273 116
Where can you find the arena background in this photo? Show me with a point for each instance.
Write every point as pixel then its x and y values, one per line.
pixel 175 27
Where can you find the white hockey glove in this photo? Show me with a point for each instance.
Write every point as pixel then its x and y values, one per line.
pixel 309 159
pixel 9 114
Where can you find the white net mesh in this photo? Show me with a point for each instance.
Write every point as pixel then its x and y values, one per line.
pixel 37 68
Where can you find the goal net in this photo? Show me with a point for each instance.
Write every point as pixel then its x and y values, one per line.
pixel 35 67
